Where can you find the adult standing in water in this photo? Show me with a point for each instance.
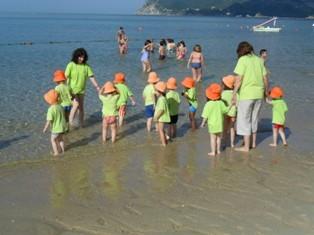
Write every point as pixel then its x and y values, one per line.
pixel 122 41
pixel 77 73
pixel 252 85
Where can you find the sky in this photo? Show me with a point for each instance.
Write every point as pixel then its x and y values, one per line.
pixel 72 6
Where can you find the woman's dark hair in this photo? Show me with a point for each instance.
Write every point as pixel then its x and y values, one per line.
pixel 244 48
pixel 262 51
pixel 78 53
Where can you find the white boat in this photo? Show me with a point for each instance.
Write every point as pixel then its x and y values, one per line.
pixel 262 28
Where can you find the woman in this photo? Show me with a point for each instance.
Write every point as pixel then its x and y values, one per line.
pixel 77 72
pixel 251 85
pixel 196 61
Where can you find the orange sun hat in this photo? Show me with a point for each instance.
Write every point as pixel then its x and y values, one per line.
pixel 229 81
pixel 152 77
pixel 108 88
pixel 276 92
pixel 188 82
pixel 59 76
pixel 213 91
pixel 161 86
pixel 119 77
pixel 51 97
pixel 172 83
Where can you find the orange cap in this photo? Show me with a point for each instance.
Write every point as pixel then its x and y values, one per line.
pixel 51 97
pixel 276 92
pixel 59 76
pixel 188 82
pixel 108 88
pixel 229 81
pixel 172 83
pixel 119 77
pixel 152 77
pixel 213 91
pixel 161 86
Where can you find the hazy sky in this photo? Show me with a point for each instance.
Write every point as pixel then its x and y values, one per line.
pixel 72 6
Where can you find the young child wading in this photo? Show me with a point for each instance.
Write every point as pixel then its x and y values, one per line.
pixel 190 94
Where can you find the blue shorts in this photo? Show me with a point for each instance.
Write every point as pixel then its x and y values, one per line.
pixel 67 108
pixel 149 111
pixel 196 65
pixel 192 109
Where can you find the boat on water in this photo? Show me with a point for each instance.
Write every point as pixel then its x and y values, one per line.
pixel 263 28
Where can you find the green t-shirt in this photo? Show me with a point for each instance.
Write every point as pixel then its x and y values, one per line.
pixel 162 105
pixel 279 111
pixel 173 99
pixel 56 116
pixel 149 94
pixel 109 105
pixel 252 70
pixel 191 93
pixel 214 112
pixel 227 97
pixel 124 93
pixel 77 75
pixel 64 94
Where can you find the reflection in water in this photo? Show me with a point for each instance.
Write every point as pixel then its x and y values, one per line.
pixel 70 179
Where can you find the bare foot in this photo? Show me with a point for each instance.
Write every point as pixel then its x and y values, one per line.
pixel 211 154
pixel 285 144
pixel 218 152
pixel 273 145
pixel 242 149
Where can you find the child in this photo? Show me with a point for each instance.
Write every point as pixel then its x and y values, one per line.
pixel 125 93
pixel 173 99
pixel 109 97
pixel 213 113
pixel 63 92
pixel 181 50
pixel 162 50
pixel 147 67
pixel 56 120
pixel 279 111
pixel 196 61
pixel 149 99
pixel 190 94
pixel 230 118
pixel 162 115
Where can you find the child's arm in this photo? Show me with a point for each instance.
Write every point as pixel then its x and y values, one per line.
pixel 46 126
pixel 94 82
pixel 158 115
pixel 203 122
pixel 268 100
pixel 132 100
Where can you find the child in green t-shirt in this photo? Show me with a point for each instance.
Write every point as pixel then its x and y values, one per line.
pixel 190 94
pixel 214 112
pixel 63 90
pixel 230 117
pixel 109 97
pixel 56 120
pixel 161 115
pixel 173 99
pixel 279 114
pixel 149 99
pixel 125 93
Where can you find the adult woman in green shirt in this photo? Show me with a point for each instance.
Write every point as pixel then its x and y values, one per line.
pixel 251 85
pixel 77 72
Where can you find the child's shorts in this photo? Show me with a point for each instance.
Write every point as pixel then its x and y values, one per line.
pixel 174 119
pixel 192 109
pixel 56 135
pixel 110 119
pixel 278 126
pixel 122 110
pixel 149 111
pixel 67 108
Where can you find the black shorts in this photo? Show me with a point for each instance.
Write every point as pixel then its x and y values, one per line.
pixel 173 119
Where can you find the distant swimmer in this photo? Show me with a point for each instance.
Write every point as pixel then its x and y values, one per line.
pixel 122 41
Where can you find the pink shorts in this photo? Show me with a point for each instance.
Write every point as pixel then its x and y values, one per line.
pixel 278 126
pixel 110 120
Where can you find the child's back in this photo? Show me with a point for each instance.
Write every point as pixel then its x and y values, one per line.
pixel 173 99
pixel 279 111
pixel 226 96
pixel 109 102
pixel 214 112
pixel 148 94
pixel 64 94
pixel 124 93
pixel 55 114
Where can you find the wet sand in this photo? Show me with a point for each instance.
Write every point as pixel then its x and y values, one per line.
pixel 138 187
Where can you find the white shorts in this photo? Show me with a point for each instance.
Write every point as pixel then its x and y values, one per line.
pixel 247 116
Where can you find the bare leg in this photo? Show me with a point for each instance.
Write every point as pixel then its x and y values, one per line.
pixel 120 120
pixel 81 109
pixel 54 145
pixel 113 132
pixel 192 120
pixel 213 139
pixel 283 136
pixel 162 134
pixel 253 140
pixel 246 146
pixel 75 105
pixel 149 66
pixel 218 141
pixel 199 74
pixel 144 66
pixel 104 130
pixel 61 142
pixel 194 74
pixel 149 124
pixel 275 137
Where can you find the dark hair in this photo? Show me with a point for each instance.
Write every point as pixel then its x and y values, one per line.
pixel 244 48
pixel 262 51
pixel 78 53
pixel 147 42
pixel 182 43
pixel 197 48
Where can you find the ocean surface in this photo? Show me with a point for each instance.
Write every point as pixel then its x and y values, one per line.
pixel 32 46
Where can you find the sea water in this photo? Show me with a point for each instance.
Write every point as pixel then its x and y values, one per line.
pixel 32 46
